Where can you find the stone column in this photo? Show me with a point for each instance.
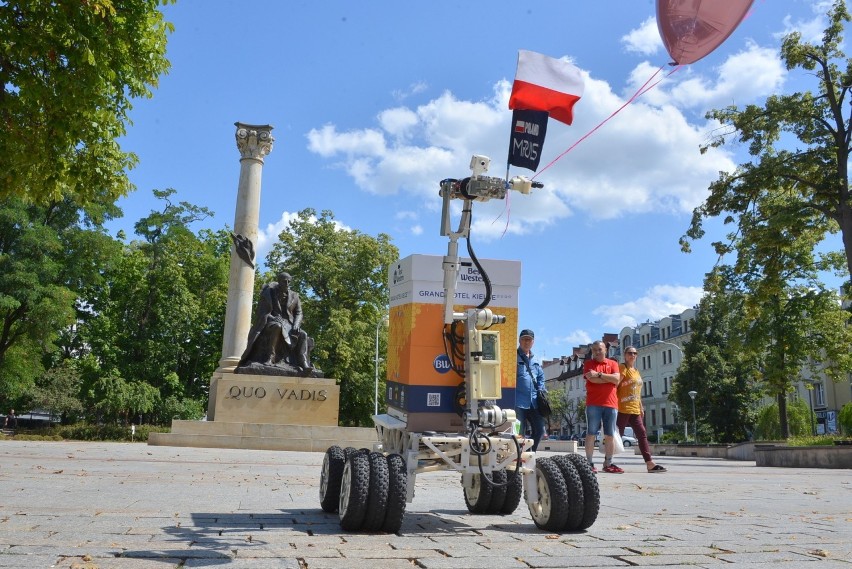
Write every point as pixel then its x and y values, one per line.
pixel 254 143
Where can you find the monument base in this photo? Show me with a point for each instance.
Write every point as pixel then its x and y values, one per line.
pixel 268 412
pixel 258 436
pixel 281 400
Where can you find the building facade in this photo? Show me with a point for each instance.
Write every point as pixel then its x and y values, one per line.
pixel 660 345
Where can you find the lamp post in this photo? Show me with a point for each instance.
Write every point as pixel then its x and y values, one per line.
pixel 376 395
pixel 810 388
pixel 692 395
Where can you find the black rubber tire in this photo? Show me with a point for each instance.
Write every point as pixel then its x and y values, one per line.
pixel 478 497
pixel 576 500
pixel 354 491
pixel 591 490
pixel 514 492
pixel 332 473
pixel 377 501
pixel 348 451
pixel 551 510
pixel 397 493
pixel 498 492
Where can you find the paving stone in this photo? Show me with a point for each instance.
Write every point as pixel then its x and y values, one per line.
pixel 130 506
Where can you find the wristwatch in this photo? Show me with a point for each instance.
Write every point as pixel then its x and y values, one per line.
pixel 599 375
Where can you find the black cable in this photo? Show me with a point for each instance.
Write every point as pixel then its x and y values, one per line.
pixel 472 255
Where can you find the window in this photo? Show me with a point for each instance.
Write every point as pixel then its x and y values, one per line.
pixel 653 417
pixel 663 415
pixel 664 358
pixel 819 395
pixel 665 390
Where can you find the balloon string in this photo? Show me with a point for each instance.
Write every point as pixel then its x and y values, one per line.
pixel 639 92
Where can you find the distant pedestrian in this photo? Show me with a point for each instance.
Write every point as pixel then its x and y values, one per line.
pixel 602 376
pixel 630 408
pixel 11 420
pixel 529 379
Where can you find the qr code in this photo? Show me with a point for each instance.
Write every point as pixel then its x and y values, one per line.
pixel 433 399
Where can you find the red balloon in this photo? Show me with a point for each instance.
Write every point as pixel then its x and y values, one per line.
pixel 693 28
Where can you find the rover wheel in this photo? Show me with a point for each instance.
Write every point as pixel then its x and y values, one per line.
pixel 354 491
pixel 377 501
pixel 397 493
pixel 551 510
pixel 591 490
pixel 498 492
pixel 478 496
pixel 514 491
pixel 332 473
pixel 575 492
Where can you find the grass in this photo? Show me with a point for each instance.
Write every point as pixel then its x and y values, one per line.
pixel 818 440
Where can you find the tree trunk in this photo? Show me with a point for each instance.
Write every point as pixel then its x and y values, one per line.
pixel 782 416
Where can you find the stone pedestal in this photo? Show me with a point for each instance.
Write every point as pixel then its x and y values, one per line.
pixel 282 400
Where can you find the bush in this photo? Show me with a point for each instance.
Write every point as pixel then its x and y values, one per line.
pixel 768 427
pixel 88 432
pixel 845 419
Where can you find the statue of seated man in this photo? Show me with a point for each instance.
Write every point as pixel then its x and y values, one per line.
pixel 276 337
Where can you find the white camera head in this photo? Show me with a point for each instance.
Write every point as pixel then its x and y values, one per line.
pixel 479 164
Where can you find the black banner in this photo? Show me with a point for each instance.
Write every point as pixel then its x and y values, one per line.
pixel 527 140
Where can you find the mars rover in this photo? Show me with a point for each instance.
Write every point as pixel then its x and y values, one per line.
pixel 370 488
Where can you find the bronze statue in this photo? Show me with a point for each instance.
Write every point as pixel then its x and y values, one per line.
pixel 277 345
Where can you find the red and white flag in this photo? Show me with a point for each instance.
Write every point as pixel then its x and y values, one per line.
pixel 546 84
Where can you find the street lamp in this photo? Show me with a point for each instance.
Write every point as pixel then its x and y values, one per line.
pixel 810 383
pixel 376 396
pixel 692 395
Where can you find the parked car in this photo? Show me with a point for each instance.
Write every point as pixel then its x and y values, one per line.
pixel 628 441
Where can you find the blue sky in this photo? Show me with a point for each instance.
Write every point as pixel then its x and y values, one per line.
pixel 374 103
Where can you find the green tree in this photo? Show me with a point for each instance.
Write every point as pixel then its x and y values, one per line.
pixel 58 391
pixel 715 367
pixel 811 183
pixel 341 275
pixel 49 257
pixel 69 70
pixel 768 425
pixel 845 419
pixel 160 312
pixel 559 410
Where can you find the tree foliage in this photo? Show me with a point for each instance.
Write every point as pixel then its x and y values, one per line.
pixel 342 277
pixel 768 426
pixel 161 309
pixel 714 367
pixel 808 187
pixel 69 70
pixel 49 257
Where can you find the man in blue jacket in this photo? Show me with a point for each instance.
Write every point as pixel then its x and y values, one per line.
pixel 530 378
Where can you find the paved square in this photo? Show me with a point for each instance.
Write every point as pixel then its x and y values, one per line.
pixel 131 506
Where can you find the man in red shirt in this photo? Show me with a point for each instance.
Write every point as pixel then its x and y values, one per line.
pixel 602 378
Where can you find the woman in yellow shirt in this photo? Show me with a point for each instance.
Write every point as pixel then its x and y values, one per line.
pixel 630 410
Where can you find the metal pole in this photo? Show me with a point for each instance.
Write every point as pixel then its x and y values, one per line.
pixel 692 395
pixel 811 404
pixel 376 396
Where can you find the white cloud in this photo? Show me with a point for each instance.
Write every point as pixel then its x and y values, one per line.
pixel 413 89
pixel 645 39
pixel 268 236
pixel 811 30
pixel 647 154
pixel 417 230
pixel 658 302
pixel 573 338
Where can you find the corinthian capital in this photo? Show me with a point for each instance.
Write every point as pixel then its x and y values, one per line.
pixel 254 141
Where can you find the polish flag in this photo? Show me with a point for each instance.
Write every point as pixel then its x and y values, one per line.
pixel 546 84
pixel 520 126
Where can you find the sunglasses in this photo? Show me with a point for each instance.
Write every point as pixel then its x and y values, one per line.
pixel 631 353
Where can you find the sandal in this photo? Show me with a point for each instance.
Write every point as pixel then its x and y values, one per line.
pixel 657 468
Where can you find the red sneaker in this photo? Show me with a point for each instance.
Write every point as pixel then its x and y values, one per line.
pixel 613 469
